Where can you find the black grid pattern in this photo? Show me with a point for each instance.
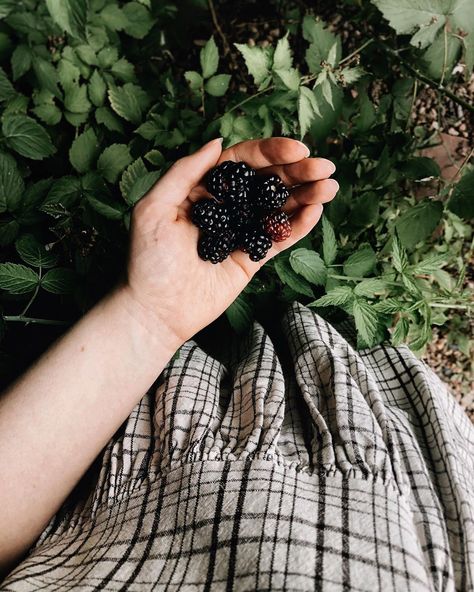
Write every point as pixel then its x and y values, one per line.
pixel 349 471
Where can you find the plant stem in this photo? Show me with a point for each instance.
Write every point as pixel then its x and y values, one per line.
pixel 361 279
pixel 247 99
pixel 215 20
pixel 35 293
pixel 437 86
pixel 22 319
pixel 356 51
pixel 457 306
pixel 445 56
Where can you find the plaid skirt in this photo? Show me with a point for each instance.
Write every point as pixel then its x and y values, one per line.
pixel 319 469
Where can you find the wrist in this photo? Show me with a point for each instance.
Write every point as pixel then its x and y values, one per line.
pixel 149 331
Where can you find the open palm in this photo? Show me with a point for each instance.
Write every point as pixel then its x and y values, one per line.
pixel 167 278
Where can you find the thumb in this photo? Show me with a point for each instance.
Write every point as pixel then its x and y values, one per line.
pixel 186 173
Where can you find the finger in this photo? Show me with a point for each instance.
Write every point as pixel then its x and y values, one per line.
pixel 304 171
pixel 173 188
pixel 266 152
pixel 318 192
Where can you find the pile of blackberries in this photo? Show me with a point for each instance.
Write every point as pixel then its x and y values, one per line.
pixel 244 213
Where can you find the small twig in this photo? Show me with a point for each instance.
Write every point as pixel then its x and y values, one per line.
pixel 22 319
pixel 355 52
pixel 413 100
pixel 457 306
pixel 465 161
pixel 437 86
pixel 221 33
pixel 445 56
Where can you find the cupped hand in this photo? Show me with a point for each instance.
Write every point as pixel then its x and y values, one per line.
pixel 169 285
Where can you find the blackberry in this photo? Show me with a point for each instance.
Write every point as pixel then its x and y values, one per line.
pixel 270 193
pixel 241 213
pixel 210 216
pixel 277 226
pixel 216 248
pixel 230 180
pixel 256 242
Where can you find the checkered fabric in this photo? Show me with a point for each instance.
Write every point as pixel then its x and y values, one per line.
pixel 320 468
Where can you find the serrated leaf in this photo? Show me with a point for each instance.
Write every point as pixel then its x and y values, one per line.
pixel 329 242
pixel 49 114
pixel 11 184
pixel 139 20
pixel 6 7
pixel 194 79
pixel 155 157
pixel 307 109
pixel 141 187
pixel 399 255
pixel 106 207
pixel 389 306
pixel 209 58
pixel 113 160
pixel 34 253
pixel 400 331
pixel 27 137
pixel 70 15
pixel 106 117
pixel 68 74
pixel 125 102
pixel 6 87
pixel 366 320
pixel 360 263
pixel 75 99
pixel 258 61
pixel 420 167
pixel 217 85
pixel 9 229
pixel 17 279
pixel 47 76
pixel 429 264
pixel 21 61
pixel 310 265
pixel 289 277
pixel 462 197
pixel 97 89
pixel 59 281
pixel 351 75
pixel 124 70
pixel 321 43
pixel 282 58
pixel 338 296
pixel 419 222
pixel 64 192
pixel 291 78
pixel 113 17
pixel 133 172
pixel 83 151
pixel 87 55
pixel 370 287
pixel 239 314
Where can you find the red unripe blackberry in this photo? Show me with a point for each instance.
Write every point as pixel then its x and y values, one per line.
pixel 269 193
pixel 255 242
pixel 216 247
pixel 210 216
pixel 277 226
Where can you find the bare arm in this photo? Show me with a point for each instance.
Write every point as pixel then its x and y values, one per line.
pixel 59 415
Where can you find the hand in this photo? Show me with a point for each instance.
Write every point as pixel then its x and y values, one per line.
pixel 168 285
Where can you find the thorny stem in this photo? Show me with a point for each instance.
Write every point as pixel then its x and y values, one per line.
pixel 27 320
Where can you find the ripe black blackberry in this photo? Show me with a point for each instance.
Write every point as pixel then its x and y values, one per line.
pixel 277 225
pixel 216 247
pixel 210 216
pixel 241 213
pixel 230 180
pixel 255 242
pixel 269 193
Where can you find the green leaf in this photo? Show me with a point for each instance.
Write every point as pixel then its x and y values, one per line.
pixel 420 167
pixel 6 87
pixel 133 172
pixel 97 89
pixel 291 78
pixel 310 265
pixel 351 75
pixel 47 76
pixel 114 17
pixel 68 74
pixel 155 157
pixel 27 137
pixel 11 184
pixel 21 61
pixel 83 151
pixel 142 186
pixel 64 192
pixel 106 207
pixel 389 306
pixel 239 315
pixel 400 331
pixel 59 281
pixel 217 85
pixel 6 7
pixel 329 242
pixel 365 210
pixel 70 15
pixel 17 279
pixel 289 277
pixel 419 222
pixel 366 321
pixel 371 287
pixel 87 55
pixel 258 61
pixel 307 109
pixel 399 255
pixel 125 101
pixel 324 45
pixel 194 79
pixel 282 58
pixel 462 197
pixel 34 253
pixel 49 114
pixel 76 100
pixel 338 296
pixel 139 20
pixel 429 264
pixel 113 160
pixel 124 70
pixel 360 263
pixel 104 116
pixel 209 58
pixel 9 229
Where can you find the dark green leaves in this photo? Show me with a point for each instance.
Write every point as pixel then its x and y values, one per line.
pixel 239 314
pixel 310 265
pixel 259 62
pixel 34 253
pixel 27 137
pixel 113 160
pixel 17 279
pixel 462 197
pixel 360 263
pixel 139 20
pixel 70 15
pixel 59 281
pixel 11 184
pixel 128 101
pixel 418 222
pixel 292 279
pixel 84 151
pixel 209 58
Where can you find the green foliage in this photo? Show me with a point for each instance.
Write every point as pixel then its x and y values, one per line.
pixel 97 100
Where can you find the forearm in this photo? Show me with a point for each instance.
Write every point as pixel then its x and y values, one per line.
pixel 58 417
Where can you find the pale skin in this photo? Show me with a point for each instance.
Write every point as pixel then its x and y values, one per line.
pixel 58 416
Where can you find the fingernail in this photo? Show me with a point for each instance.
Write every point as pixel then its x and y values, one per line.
pixel 333 167
pixel 214 141
pixel 308 152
